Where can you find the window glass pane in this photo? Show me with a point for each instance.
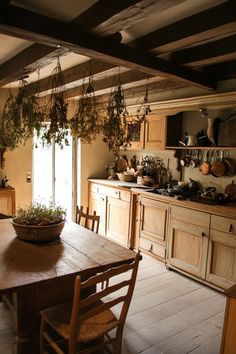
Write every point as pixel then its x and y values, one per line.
pixel 63 177
pixel 42 173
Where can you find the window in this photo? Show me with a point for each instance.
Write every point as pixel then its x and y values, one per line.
pixel 52 175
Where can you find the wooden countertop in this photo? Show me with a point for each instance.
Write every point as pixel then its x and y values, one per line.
pixel 228 210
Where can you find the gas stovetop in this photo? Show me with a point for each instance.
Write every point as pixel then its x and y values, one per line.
pixel 183 194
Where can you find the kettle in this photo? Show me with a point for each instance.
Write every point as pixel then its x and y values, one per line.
pixel 189 140
pixel 193 186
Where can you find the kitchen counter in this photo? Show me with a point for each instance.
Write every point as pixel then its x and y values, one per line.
pixel 228 210
pixel 117 183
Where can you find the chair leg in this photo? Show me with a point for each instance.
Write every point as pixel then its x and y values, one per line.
pixel 42 339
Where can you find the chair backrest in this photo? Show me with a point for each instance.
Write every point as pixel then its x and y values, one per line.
pixel 119 290
pixel 90 221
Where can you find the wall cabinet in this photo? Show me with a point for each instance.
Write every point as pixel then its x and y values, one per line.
pixel 113 206
pixel 150 134
pixel 221 263
pixel 188 242
pixel 153 227
pixel 7 201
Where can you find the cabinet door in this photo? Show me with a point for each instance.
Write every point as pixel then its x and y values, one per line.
pixel 221 269
pixel 118 220
pixel 153 220
pixel 188 241
pixel 155 132
pixel 153 227
pixel 98 203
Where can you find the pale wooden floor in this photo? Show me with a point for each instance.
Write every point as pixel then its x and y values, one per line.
pixel 169 314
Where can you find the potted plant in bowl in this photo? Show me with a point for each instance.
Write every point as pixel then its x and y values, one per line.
pixel 39 222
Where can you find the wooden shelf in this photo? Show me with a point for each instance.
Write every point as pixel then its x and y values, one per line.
pixel 200 147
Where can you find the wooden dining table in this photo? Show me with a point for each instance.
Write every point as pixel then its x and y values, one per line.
pixel 34 276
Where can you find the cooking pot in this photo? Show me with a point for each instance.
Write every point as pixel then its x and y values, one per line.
pixel 193 186
pixel 219 167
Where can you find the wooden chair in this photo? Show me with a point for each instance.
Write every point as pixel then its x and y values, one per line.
pixel 89 220
pixel 85 325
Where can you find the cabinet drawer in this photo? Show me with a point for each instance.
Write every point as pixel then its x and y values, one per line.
pixel 190 216
pixel 152 248
pixel 224 224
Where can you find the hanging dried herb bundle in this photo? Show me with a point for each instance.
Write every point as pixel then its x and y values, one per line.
pixel 56 111
pixel 85 123
pixel 21 115
pixel 115 123
pixel 144 109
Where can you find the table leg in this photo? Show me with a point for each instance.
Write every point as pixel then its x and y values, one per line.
pixel 26 322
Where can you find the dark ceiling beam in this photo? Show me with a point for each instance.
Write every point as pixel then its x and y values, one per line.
pixel 209 53
pixel 138 91
pixel 37 55
pixel 223 71
pixel 27 61
pixel 101 11
pixel 216 21
pixel 132 14
pixel 79 74
pixel 105 85
pixel 37 28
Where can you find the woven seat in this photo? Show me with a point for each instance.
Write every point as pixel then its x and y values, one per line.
pixel 89 321
pixel 87 220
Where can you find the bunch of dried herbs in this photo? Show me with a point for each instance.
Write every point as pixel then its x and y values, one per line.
pixel 85 124
pixel 115 123
pixel 21 116
pixel 55 112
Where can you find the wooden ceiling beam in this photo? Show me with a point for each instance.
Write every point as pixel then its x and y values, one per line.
pixel 102 11
pixel 37 28
pixel 27 61
pixel 132 14
pixel 211 23
pixel 139 90
pixel 209 53
pixel 38 55
pixel 223 71
pixel 74 76
pixel 128 78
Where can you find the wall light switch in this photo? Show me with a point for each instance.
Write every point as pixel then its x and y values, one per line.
pixel 28 176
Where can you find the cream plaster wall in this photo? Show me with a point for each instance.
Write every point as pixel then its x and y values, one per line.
pixel 17 163
pixel 94 159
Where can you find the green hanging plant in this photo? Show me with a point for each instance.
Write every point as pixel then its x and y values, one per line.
pixel 115 123
pixel 21 115
pixel 85 124
pixel 56 110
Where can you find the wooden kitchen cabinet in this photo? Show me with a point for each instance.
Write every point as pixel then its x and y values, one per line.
pixel 221 263
pixel 113 206
pixel 118 219
pixel 7 201
pixel 98 203
pixel 150 134
pixel 188 240
pixel 153 227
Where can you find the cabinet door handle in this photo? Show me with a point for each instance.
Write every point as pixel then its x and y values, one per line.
pixel 151 248
pixel 203 234
pixel 230 228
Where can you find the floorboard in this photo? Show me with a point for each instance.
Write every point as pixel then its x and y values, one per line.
pixel 169 314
